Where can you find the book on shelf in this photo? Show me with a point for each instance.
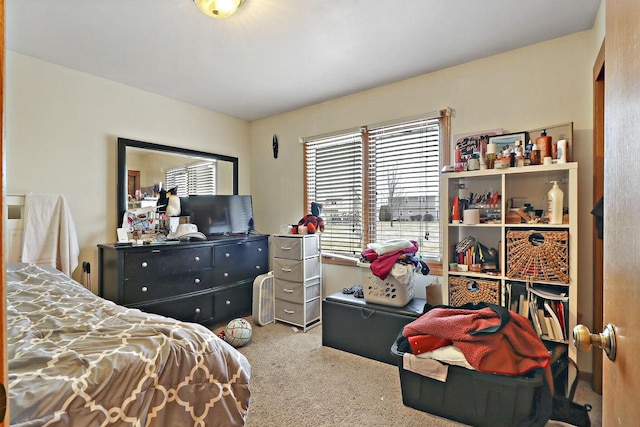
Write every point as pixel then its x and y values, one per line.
pixel 557 328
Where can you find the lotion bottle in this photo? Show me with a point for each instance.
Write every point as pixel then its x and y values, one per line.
pixel 555 198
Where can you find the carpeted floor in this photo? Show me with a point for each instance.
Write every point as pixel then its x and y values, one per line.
pixel 295 381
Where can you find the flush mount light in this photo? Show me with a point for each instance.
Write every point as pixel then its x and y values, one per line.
pixel 219 8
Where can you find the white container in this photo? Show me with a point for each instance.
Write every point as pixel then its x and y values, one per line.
pixel 386 292
pixel 562 151
pixel 555 197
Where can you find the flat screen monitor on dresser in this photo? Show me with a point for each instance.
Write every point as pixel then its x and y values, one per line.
pixel 220 214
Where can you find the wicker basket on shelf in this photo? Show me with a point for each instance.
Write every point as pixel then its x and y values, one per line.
pixel 538 255
pixel 463 290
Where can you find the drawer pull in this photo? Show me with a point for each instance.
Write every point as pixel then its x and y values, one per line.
pixel 289 291
pixel 197 258
pixel 197 281
pixel 259 249
pixel 227 254
pixel 227 302
pixel 286 270
pixel 144 289
pixel 257 267
pixel 226 274
pixel 288 248
pixel 289 311
pixel 197 310
pixel 144 264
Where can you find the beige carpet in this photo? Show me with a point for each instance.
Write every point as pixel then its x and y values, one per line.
pixel 295 381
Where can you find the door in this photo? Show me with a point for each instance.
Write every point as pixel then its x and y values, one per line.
pixel 621 293
pixel 133 182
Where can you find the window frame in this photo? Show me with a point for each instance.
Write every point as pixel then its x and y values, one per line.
pixel 444 137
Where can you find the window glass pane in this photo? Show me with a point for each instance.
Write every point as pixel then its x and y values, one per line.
pixel 334 179
pixel 404 183
pixel 399 190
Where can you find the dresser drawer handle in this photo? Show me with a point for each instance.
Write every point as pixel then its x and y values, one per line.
pixel 289 291
pixel 197 258
pixel 259 249
pixel 197 310
pixel 227 254
pixel 288 248
pixel 257 267
pixel 144 264
pixel 289 311
pixel 144 289
pixel 227 302
pixel 197 281
pixel 226 275
pixel 286 270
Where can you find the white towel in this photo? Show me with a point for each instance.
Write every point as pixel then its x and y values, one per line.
pixel 429 368
pixel 49 235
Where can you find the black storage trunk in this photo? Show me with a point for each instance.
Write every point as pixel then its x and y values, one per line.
pixel 476 398
pixel 369 330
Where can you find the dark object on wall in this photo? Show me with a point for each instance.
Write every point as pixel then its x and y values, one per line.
pixel 275 146
pixel 598 212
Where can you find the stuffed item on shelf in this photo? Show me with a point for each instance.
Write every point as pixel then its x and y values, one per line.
pixel 313 222
pixel 173 204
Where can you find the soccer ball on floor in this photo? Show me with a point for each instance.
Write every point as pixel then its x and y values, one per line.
pixel 238 332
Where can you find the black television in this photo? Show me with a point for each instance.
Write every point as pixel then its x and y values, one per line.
pixel 220 214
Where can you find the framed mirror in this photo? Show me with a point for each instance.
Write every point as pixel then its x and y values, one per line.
pixel 144 168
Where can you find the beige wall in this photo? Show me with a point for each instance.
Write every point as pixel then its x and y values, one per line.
pixel 61 132
pixel 544 84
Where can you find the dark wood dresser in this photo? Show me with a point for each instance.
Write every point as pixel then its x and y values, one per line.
pixel 205 281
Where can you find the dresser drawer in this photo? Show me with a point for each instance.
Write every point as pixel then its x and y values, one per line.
pixel 292 312
pixel 296 270
pixel 234 301
pixel 159 262
pixel 140 290
pixel 197 309
pixel 240 261
pixel 297 291
pixel 294 247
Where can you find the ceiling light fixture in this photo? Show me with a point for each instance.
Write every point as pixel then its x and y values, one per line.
pixel 219 8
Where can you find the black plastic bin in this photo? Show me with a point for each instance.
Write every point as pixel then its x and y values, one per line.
pixel 476 398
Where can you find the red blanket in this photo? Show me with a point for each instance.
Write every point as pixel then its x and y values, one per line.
pixel 515 349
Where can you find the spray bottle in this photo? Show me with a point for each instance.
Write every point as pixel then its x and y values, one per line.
pixel 555 198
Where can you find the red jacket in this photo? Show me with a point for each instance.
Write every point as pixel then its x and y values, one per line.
pixel 513 349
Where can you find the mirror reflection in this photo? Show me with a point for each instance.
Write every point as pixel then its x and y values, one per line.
pixel 145 169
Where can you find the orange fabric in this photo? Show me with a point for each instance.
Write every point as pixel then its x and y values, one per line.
pixel 424 343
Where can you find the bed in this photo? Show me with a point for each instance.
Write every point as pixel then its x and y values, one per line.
pixel 76 359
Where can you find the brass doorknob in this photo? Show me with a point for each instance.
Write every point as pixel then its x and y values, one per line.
pixel 584 339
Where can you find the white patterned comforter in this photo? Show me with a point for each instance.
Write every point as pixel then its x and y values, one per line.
pixel 78 360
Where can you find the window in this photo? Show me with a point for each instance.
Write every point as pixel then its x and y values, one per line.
pixel 378 182
pixel 193 179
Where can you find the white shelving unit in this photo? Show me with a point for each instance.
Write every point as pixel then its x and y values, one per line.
pixel 517 186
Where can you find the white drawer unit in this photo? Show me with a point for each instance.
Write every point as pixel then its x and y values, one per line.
pixel 297 273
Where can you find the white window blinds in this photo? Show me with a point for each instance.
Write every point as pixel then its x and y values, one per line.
pixel 396 196
pixel 404 181
pixel 193 179
pixel 334 178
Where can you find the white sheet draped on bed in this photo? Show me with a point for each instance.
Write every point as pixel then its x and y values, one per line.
pixel 49 235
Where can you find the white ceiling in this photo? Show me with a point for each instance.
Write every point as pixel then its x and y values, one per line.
pixel 275 56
